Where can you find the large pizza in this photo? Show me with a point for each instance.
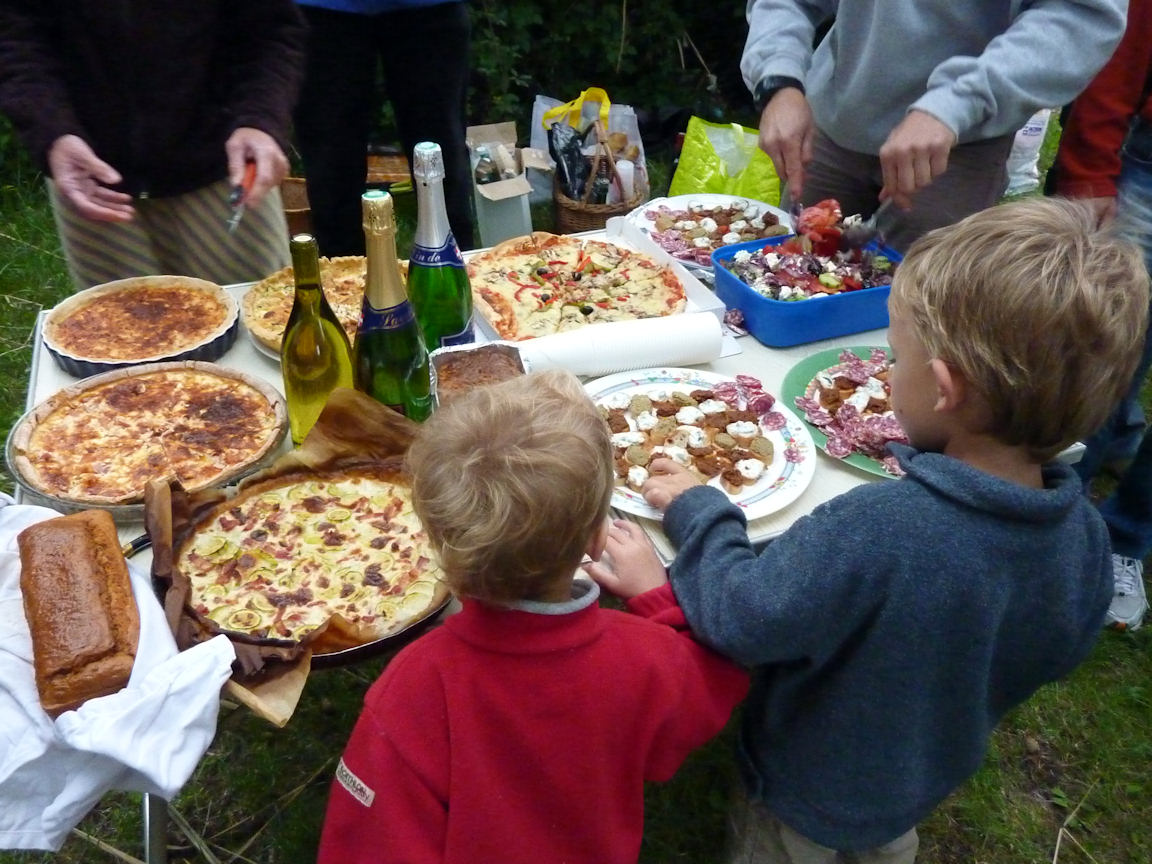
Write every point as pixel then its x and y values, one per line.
pixel 101 441
pixel 141 319
pixel 294 553
pixel 547 283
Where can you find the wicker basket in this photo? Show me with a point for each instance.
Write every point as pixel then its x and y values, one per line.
pixel 573 214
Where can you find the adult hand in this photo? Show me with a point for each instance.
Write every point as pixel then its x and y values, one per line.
pixel 632 566
pixel 1104 207
pixel 915 154
pixel 247 144
pixel 786 132
pixel 666 480
pixel 82 179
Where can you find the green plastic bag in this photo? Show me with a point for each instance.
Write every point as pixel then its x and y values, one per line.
pixel 724 158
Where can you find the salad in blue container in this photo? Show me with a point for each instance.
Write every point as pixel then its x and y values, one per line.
pixel 808 286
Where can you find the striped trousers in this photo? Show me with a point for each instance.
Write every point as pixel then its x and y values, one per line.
pixel 184 235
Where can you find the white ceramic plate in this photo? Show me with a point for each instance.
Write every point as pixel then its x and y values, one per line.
pixel 640 218
pixel 793 462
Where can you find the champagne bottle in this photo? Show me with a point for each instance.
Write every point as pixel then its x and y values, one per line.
pixel 389 356
pixel 315 357
pixel 437 281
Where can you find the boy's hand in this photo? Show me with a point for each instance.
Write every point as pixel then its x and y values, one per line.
pixel 632 566
pixel 666 480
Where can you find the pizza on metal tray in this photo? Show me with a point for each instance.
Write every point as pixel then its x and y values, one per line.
pixel 102 440
pixel 287 555
pixel 547 283
pixel 142 318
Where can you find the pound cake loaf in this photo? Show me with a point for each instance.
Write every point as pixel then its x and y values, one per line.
pixel 80 609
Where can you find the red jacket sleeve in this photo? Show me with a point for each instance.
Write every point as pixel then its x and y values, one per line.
pixel 1088 161
pixel 702 689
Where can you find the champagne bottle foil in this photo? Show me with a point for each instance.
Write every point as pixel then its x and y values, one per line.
pixel 601 349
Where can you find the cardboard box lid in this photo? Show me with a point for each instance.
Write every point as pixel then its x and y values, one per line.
pixel 502 190
pixel 491 133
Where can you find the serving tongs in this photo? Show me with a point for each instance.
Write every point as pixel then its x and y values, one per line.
pixel 862 233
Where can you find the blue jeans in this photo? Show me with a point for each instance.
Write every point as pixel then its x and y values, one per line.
pixel 1128 511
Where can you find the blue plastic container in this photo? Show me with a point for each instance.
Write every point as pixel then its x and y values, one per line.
pixel 780 323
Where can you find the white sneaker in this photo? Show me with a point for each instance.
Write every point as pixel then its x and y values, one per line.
pixel 1129 602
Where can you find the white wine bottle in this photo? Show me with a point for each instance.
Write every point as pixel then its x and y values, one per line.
pixel 315 357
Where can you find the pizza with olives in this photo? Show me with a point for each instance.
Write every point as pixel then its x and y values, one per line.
pixel 547 283
pixel 289 554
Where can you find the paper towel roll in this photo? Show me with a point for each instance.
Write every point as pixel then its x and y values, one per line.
pixel 601 349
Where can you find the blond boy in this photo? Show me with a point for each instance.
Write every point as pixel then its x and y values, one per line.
pixel 892 629
pixel 524 728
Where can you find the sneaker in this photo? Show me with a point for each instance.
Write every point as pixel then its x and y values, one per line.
pixel 1129 602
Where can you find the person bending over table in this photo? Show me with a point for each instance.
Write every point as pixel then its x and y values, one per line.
pixel 523 729
pixel 891 629
pixel 145 116
pixel 914 101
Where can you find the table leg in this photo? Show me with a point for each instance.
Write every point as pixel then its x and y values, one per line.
pixel 155 829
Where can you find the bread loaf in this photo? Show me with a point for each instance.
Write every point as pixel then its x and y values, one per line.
pixel 80 609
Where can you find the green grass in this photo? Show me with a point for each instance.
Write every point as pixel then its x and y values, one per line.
pixel 1070 767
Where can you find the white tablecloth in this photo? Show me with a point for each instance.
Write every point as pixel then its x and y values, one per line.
pixel 146 738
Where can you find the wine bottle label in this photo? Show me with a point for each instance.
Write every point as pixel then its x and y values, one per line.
pixel 464 337
pixel 389 318
pixel 445 255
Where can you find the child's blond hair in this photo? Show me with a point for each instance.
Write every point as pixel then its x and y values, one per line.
pixel 1041 311
pixel 511 481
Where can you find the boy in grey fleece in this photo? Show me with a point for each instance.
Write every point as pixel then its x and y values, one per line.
pixel 898 92
pixel 891 629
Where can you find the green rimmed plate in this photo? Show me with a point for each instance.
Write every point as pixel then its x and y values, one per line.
pixel 796 383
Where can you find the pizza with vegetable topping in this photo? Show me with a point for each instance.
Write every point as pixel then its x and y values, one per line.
pixel 287 555
pixel 547 283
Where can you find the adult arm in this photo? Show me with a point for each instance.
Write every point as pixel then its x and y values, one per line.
pixel 264 44
pixel 1088 161
pixel 778 51
pixel 35 98
pixel 32 91
pixel 984 96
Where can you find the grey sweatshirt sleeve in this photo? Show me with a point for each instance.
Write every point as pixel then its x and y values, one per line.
pixel 1048 54
pixel 780 34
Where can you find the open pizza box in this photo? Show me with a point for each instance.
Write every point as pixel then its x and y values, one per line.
pixel 600 349
pixel 269 674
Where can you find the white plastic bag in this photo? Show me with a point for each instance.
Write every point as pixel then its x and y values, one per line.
pixel 581 112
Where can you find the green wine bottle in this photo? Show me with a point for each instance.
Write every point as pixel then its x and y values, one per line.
pixel 389 356
pixel 315 357
pixel 437 281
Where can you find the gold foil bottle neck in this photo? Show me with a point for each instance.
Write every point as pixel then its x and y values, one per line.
pixel 376 206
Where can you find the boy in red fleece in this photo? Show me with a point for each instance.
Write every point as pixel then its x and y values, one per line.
pixel 524 728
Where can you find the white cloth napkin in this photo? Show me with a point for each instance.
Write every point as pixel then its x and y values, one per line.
pixel 146 738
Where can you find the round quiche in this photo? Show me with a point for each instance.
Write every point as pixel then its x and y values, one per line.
pixel 144 319
pixel 288 554
pixel 268 303
pixel 100 441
